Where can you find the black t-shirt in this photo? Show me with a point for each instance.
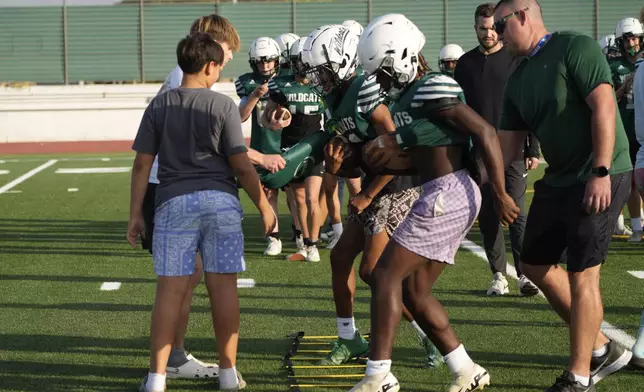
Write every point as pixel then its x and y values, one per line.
pixel 483 79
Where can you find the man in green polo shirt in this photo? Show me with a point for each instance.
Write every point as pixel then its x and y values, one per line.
pixel 573 112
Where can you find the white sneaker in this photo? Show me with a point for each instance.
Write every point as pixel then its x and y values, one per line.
pixel 194 368
pixel 312 254
pixel 384 382
pixel 636 236
pixel 333 241
pixel 241 384
pixel 527 288
pixel 274 247
pixel 299 242
pixel 473 380
pixel 499 285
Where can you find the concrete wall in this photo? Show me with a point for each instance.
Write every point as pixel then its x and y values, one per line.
pixel 78 112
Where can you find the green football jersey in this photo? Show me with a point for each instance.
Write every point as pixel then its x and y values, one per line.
pixel 411 114
pixel 300 99
pixel 620 69
pixel 261 139
pixel 348 111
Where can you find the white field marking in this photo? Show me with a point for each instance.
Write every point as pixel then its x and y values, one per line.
pixel 609 330
pixel 637 274
pixel 4 171
pixel 72 189
pixel 94 170
pixel 12 191
pixel 246 283
pixel 110 286
pixel 27 175
pixel 69 159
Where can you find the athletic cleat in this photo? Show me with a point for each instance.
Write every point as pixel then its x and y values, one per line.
pixel 382 382
pixel 526 287
pixel 499 285
pixel 434 357
pixel 622 230
pixel 614 360
pixel 475 379
pixel 312 254
pixel 343 350
pixel 194 368
pixel 241 384
pixel 299 242
pixel 274 247
pixel 636 236
pixel 566 383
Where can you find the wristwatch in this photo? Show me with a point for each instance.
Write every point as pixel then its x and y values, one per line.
pixel 600 171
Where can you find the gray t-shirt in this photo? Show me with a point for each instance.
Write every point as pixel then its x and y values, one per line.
pixel 193 131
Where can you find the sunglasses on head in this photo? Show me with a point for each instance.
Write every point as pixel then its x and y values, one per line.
pixel 499 26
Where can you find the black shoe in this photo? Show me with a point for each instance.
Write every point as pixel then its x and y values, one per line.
pixel 614 360
pixel 566 383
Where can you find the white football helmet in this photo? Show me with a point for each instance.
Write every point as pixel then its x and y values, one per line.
pixel 285 42
pixel 330 57
pixel 628 27
pixel 263 49
pixel 449 52
pixel 391 44
pixel 296 58
pixel 355 27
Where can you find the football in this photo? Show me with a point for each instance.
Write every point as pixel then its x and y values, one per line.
pixel 282 113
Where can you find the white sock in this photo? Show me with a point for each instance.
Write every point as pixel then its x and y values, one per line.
pixel 585 381
pixel 346 328
pixel 337 228
pixel 637 224
pixel 458 360
pixel 156 382
pixel 601 351
pixel 228 378
pixel 421 334
pixel 378 367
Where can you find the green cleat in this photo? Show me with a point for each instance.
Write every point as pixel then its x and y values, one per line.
pixel 434 357
pixel 343 350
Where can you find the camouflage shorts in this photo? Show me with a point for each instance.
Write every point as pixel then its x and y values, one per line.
pixel 386 212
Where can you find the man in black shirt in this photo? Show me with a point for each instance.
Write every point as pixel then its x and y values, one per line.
pixel 482 73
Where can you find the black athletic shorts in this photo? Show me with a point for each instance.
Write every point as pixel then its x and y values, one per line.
pixel 633 148
pixel 557 221
pixel 148 215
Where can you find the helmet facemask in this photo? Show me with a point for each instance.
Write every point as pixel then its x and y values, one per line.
pixel 325 77
pixel 392 83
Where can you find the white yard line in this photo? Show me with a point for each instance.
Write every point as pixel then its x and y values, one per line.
pixel 4 171
pixel 637 274
pixel 27 175
pixel 18 160
pixel 93 170
pixel 609 330
pixel 246 283
pixel 110 286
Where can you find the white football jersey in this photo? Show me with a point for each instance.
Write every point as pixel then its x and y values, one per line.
pixel 173 80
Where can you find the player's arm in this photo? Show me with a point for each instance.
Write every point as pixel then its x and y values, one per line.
pixel 248 101
pixel 146 145
pixel 274 117
pixel 233 147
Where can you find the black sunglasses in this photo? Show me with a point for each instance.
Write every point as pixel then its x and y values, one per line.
pixel 499 26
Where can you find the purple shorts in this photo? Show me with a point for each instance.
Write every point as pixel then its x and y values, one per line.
pixel 441 217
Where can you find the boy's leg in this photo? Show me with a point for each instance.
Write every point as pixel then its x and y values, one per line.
pixel 176 236
pixel 300 212
pixel 222 249
pixel 312 187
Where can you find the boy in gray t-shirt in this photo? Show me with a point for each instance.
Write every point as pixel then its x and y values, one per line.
pixel 202 155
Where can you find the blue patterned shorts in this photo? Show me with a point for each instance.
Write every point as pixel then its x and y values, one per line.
pixel 206 220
